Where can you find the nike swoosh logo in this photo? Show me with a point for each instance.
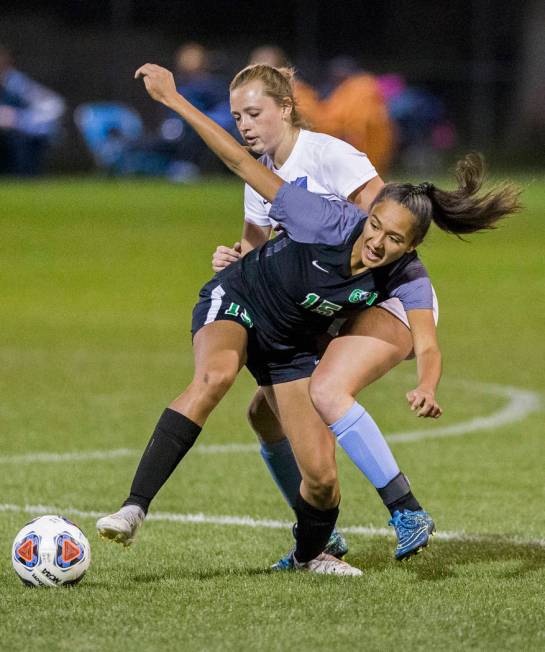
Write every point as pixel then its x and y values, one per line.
pixel 322 269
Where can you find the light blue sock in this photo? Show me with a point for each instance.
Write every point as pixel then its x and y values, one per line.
pixel 365 445
pixel 281 463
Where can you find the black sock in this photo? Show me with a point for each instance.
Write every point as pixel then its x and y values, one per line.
pixel 173 436
pixel 397 495
pixel 314 527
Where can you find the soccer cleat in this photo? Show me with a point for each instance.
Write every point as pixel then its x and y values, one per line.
pixel 285 563
pixel 336 546
pixel 325 564
pixel 122 526
pixel 413 530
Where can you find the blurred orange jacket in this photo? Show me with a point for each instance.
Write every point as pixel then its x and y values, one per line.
pixel 355 112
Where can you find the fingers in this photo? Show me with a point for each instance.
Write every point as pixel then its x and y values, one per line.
pixel 415 400
pixel 142 71
pixel 226 253
pixel 424 404
pixel 430 408
pixel 146 69
pixel 225 256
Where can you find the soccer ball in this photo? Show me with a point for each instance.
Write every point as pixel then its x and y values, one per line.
pixel 50 551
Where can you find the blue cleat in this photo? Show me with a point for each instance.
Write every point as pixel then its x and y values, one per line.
pixel 413 531
pixel 336 546
pixel 285 563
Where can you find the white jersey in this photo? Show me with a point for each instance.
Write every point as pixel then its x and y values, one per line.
pixel 320 163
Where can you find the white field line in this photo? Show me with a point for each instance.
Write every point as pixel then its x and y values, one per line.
pixel 31 458
pixel 248 521
pixel 520 403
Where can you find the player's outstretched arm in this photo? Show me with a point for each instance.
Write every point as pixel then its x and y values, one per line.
pixel 160 85
pixel 428 362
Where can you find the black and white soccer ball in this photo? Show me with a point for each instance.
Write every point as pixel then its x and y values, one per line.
pixel 50 551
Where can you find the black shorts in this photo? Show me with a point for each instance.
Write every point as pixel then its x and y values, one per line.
pixel 269 361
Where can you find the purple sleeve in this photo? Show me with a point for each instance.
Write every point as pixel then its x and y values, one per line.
pixel 413 287
pixel 310 218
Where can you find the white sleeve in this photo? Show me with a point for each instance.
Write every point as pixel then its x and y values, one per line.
pixel 344 168
pixel 256 209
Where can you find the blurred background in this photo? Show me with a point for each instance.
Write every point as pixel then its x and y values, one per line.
pixel 410 83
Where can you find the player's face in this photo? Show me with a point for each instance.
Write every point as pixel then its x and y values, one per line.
pixel 387 234
pixel 261 122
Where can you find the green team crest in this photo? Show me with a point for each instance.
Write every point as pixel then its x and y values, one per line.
pixel 357 296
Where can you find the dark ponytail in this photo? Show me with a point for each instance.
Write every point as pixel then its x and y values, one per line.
pixel 457 211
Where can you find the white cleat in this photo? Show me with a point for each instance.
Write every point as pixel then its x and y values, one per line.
pixel 122 526
pixel 325 564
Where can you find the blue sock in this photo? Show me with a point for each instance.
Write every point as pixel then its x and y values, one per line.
pixel 365 445
pixel 281 463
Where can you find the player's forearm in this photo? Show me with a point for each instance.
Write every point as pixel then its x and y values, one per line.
pixel 428 365
pixel 253 236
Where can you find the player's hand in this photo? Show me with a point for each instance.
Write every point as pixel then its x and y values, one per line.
pixel 423 402
pixel 159 82
pixel 224 256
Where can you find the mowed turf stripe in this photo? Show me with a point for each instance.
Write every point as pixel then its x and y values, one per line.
pixel 248 521
pixel 520 404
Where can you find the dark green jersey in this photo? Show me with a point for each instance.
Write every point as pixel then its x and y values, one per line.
pixel 301 281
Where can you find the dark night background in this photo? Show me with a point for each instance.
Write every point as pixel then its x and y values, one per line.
pixel 482 58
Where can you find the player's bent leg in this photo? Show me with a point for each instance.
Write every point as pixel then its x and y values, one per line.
pixel 275 448
pixel 367 349
pixel 263 420
pixel 220 351
pixel 316 506
pixel 311 441
pixel 278 456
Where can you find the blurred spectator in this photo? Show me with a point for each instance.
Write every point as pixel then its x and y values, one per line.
pixel 423 131
pixel 114 133
pixel 204 88
pixel 306 97
pixel 352 107
pixel 30 117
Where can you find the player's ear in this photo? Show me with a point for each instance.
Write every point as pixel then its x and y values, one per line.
pixel 287 107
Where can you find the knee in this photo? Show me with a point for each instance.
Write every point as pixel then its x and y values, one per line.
pixel 256 412
pixel 263 421
pixel 214 383
pixel 325 395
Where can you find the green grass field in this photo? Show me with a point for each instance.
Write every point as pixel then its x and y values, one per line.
pixel 98 283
